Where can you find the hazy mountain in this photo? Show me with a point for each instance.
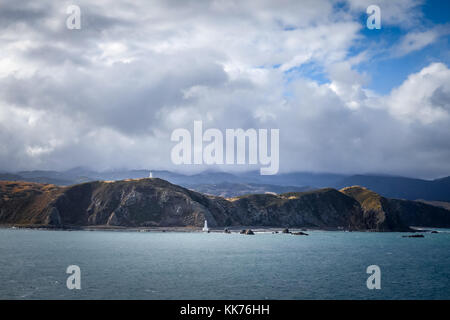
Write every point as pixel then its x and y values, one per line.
pixel 10 177
pixel 388 186
pixel 39 177
pixel 442 204
pixel 400 187
pixel 78 175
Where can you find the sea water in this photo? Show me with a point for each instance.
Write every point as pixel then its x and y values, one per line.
pixel 178 265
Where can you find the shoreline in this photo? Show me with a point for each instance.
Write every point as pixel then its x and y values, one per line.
pixel 191 229
pixel 234 229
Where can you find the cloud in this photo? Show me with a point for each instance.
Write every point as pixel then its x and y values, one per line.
pixel 402 13
pixel 110 94
pixel 423 97
pixel 415 41
pixel 405 132
pixel 347 84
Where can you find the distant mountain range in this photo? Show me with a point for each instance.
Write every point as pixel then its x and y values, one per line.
pixel 402 188
pixel 233 184
pixel 158 203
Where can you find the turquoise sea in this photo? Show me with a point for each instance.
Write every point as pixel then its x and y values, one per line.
pixel 171 265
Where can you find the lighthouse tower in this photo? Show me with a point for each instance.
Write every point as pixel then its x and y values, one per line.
pixel 150 175
pixel 205 228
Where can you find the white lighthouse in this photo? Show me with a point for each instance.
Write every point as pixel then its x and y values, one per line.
pixel 205 228
pixel 150 175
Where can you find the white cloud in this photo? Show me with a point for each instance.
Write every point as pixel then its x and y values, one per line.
pixel 415 41
pixel 424 96
pixel 401 13
pixel 347 84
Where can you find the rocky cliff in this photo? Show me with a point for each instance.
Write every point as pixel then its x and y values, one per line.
pixel 383 214
pixel 158 203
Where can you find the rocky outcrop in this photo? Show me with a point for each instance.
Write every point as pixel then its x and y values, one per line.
pixel 158 203
pixel 138 203
pixel 300 233
pixel 24 203
pixel 325 208
pixel 53 218
pixel 383 214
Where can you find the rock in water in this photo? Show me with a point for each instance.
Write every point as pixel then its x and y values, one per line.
pixel 414 236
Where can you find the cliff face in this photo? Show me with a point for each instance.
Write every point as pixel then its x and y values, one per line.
pixel 26 203
pixel 156 202
pixel 145 202
pixel 383 214
pixel 325 208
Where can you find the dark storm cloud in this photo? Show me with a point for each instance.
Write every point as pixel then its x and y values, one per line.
pixel 126 97
pixel 14 13
pixel 441 98
pixel 50 54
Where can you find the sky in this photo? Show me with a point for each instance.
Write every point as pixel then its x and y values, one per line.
pixel 346 99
